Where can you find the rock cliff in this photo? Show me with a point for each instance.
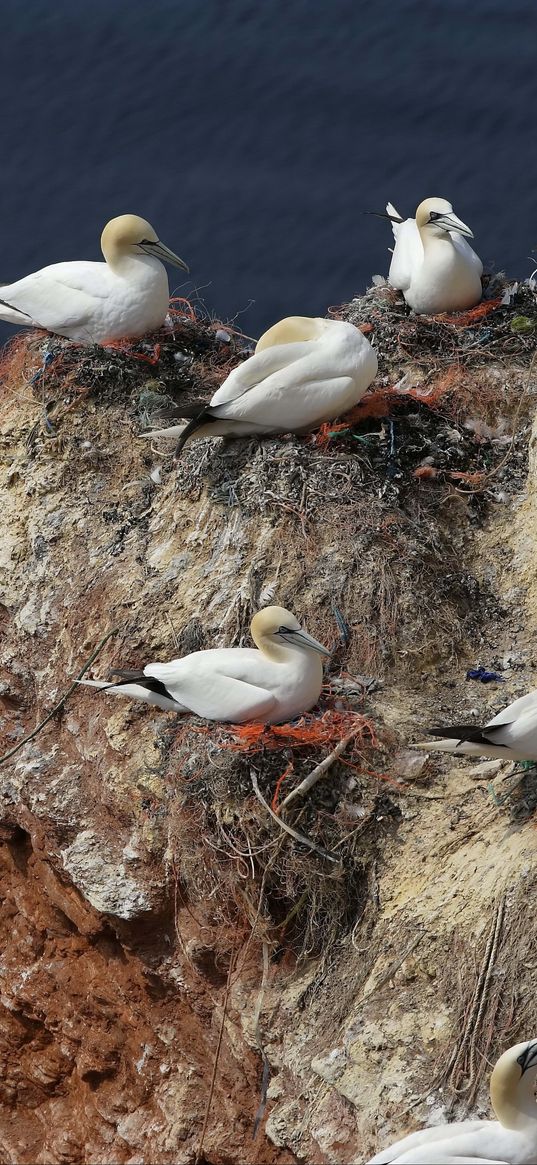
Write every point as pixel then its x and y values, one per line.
pixel 176 968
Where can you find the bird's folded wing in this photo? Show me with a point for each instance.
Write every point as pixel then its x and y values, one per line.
pixel 56 301
pixel 441 1145
pixel 257 368
pixel 274 406
pixel 464 249
pixel 54 309
pixel 447 1152
pixel 216 696
pixel 407 255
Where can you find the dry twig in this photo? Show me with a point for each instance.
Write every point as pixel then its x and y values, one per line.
pixel 300 837
pixel 320 769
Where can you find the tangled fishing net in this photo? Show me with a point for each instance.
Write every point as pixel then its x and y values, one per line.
pixel 313 885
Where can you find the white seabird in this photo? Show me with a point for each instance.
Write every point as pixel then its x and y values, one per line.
pixel 432 263
pixel 509 1140
pixel 274 682
pixel 511 735
pixel 126 296
pixel 304 371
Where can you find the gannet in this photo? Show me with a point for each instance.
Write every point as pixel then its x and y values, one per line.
pixel 127 295
pixel 509 1140
pixel 432 263
pixel 304 371
pixel 512 734
pixel 275 681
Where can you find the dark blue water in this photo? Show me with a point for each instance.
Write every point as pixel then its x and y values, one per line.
pixel 253 135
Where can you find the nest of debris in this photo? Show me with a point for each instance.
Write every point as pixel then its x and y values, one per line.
pixel 298 872
pixel 502 329
pixel 187 358
pixel 190 356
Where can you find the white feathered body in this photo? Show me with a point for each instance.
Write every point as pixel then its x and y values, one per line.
pixel 300 385
pixel 472 1142
pixel 234 684
pixel 90 302
pixel 445 277
pixel 292 387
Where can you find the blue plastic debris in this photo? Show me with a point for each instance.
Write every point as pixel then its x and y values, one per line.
pixel 484 676
pixel 49 357
pixel 343 626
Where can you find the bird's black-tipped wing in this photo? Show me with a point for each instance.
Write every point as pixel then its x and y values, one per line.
pixel 4 303
pixel 138 677
pixel 194 409
pixel 177 412
pixel 205 417
pixel 467 733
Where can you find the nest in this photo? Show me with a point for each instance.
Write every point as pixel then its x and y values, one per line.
pixel 500 330
pixel 187 358
pixel 401 478
pixel 303 892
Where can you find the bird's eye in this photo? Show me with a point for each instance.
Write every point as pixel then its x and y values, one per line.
pixel 434 215
pixel 286 631
pixel 145 243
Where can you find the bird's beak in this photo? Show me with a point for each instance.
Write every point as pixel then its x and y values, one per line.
pixel 450 222
pixel 306 640
pixel 160 251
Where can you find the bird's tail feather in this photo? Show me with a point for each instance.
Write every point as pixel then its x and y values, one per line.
pixel 200 416
pixel 472 733
pixel 136 691
pixel 464 748
pixel 178 412
pixel 171 431
pixel 442 745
